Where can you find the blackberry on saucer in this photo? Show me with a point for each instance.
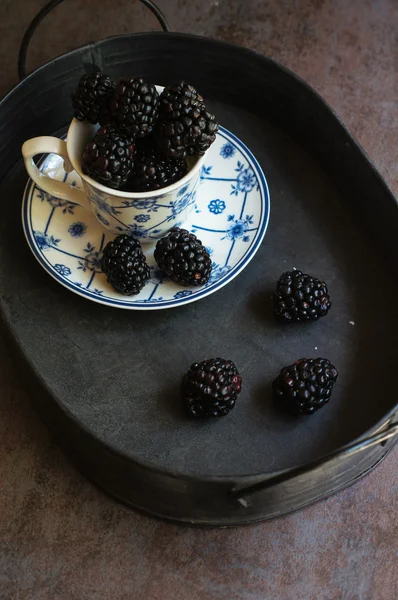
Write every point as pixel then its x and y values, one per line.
pixel 305 386
pixel 153 170
pixel 210 388
pixel 183 258
pixel 185 126
pixel 134 106
pixel 90 98
pixel 300 297
pixel 124 265
pixel 109 158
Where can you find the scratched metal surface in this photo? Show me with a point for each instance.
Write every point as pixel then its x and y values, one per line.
pixel 62 538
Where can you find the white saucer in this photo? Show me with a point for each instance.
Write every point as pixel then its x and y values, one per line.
pixel 230 217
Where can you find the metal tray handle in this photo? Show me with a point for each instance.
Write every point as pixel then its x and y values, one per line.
pixel 48 8
pixel 285 475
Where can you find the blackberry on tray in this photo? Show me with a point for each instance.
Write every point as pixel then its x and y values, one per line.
pixel 124 265
pixel 210 388
pixel 183 258
pixel 305 386
pixel 300 297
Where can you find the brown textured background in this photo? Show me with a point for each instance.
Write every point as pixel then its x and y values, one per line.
pixel 61 538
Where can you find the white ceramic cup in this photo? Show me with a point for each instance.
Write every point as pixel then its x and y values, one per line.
pixel 145 215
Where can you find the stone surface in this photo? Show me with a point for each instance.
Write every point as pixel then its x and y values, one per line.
pixel 60 537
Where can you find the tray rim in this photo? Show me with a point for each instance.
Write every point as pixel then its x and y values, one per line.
pixel 225 481
pixel 204 39
pixel 8 325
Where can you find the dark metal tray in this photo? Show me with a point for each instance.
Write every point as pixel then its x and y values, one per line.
pixel 107 381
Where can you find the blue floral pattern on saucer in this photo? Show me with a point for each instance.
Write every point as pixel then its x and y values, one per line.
pixel 230 217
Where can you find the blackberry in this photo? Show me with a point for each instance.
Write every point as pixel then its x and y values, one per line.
pixel 305 386
pixel 300 297
pixel 109 158
pixel 152 170
pixel 185 126
pixel 124 265
pixel 183 258
pixel 135 106
pixel 90 98
pixel 210 388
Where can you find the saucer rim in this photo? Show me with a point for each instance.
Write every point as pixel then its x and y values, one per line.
pixel 176 302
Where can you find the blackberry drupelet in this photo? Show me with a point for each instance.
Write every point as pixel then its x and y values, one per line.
pixel 134 106
pixel 300 297
pixel 124 265
pixel 183 258
pixel 210 388
pixel 90 98
pixel 109 158
pixel 305 386
pixel 185 126
pixel 153 170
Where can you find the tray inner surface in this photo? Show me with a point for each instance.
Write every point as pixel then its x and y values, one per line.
pixel 118 372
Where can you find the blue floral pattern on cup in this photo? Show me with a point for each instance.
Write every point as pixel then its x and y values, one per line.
pixel 158 213
pixel 102 219
pixel 230 217
pixel 182 191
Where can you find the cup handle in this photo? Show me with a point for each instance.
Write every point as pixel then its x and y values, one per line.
pixel 44 145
